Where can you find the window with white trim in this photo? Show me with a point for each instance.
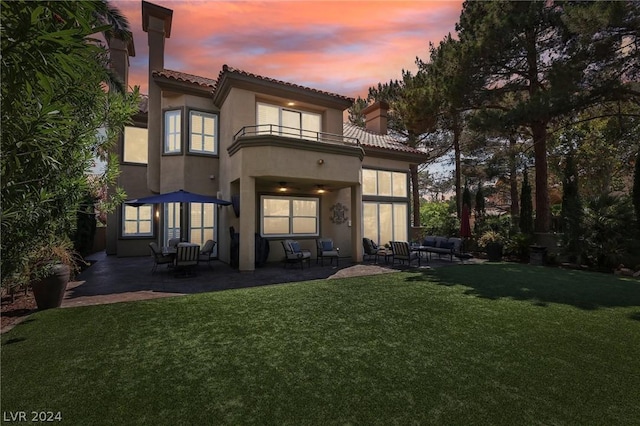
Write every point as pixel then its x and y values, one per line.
pixel 137 221
pixel 203 132
pixel 172 131
pixel 384 183
pixel 273 119
pixel 289 216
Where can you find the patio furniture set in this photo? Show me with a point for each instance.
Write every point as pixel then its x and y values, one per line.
pixel 403 251
pixel 325 250
pixel 183 257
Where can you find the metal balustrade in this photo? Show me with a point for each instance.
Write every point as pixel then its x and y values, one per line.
pixel 292 132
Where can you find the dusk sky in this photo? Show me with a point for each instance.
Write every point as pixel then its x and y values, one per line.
pixel 342 47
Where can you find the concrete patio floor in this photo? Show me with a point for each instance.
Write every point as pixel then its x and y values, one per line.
pixel 111 279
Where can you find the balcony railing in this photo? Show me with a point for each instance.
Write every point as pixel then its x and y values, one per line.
pixel 292 132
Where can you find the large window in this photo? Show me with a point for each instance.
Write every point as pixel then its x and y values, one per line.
pixel 135 145
pixel 288 122
pixel 289 216
pixel 202 222
pixel 384 183
pixel 172 131
pixel 138 221
pixel 203 132
pixel 384 222
pixel 171 221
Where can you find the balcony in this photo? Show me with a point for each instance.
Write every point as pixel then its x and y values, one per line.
pixel 295 133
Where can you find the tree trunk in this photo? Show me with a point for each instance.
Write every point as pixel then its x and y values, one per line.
pixel 458 177
pixel 513 181
pixel 415 194
pixel 543 212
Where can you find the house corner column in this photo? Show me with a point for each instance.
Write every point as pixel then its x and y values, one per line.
pixel 356 223
pixel 248 214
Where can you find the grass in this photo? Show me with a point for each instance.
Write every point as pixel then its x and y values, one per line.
pixel 478 344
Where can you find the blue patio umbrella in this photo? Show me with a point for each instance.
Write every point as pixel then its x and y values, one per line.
pixel 181 196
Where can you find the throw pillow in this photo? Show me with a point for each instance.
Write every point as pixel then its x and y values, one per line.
pixel 429 243
pixel 295 246
pixel 327 245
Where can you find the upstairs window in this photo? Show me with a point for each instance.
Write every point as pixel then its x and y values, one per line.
pixel 288 122
pixel 172 131
pixel 203 129
pixel 135 145
pixel 384 183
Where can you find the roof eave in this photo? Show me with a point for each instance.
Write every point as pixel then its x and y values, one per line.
pixel 229 79
pixel 410 157
pixel 167 83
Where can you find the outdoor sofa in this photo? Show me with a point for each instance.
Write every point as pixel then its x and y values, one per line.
pixel 441 246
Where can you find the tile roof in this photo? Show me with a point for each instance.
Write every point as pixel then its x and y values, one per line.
pixel 376 140
pixel 187 78
pixel 227 69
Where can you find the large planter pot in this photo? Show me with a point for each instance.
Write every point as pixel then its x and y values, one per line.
pixel 494 252
pixel 49 291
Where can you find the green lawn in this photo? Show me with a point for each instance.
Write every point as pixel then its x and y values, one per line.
pixel 476 344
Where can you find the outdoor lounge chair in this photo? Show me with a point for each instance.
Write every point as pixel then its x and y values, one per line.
pixel 326 249
pixel 158 257
pixel 173 242
pixel 187 256
pixel 370 249
pixel 402 252
pixel 294 254
pixel 207 251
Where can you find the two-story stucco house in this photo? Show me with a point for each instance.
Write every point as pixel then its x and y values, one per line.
pixel 281 152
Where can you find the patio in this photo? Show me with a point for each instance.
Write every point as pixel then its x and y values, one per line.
pixel 111 279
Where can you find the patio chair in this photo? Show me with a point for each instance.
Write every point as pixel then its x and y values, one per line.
pixel 207 251
pixel 158 257
pixel 370 249
pixel 173 242
pixel 294 254
pixel 187 257
pixel 326 249
pixel 402 252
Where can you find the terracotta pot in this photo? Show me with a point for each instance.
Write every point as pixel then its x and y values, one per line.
pixel 49 291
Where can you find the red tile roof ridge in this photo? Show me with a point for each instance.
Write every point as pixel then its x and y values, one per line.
pixel 185 77
pixel 226 68
pixel 376 140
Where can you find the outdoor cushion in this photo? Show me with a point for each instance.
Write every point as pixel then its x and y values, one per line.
pixel 327 246
pixel 429 243
pixel 295 246
pixel 448 245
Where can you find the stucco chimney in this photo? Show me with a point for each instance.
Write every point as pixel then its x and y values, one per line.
pixel 376 117
pixel 119 53
pixel 156 22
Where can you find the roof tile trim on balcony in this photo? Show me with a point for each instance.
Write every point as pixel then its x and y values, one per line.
pixel 227 69
pixel 186 78
pixel 376 140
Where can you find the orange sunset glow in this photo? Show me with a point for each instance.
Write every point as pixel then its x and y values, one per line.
pixel 338 46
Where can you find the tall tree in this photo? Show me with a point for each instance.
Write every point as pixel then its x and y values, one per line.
pixel 411 115
pixel 557 58
pixel 571 208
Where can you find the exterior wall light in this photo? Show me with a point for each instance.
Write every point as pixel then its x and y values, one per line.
pixel 320 162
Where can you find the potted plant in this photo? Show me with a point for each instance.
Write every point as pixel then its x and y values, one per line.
pixel 51 266
pixel 492 242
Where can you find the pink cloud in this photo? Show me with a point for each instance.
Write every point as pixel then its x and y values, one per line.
pixel 343 47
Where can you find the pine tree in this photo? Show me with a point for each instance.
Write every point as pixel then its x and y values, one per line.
pixel 636 189
pixel 526 206
pixel 571 209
